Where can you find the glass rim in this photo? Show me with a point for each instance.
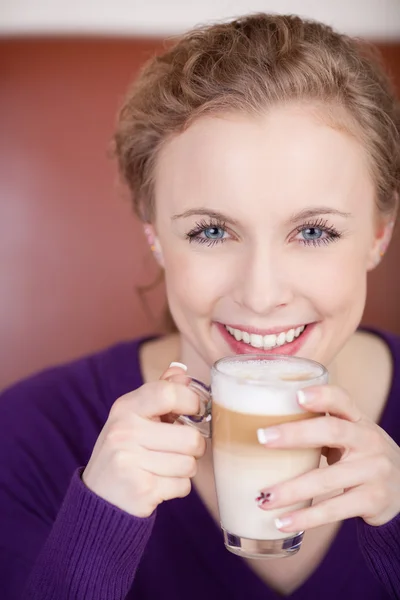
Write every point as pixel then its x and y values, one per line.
pixel 322 375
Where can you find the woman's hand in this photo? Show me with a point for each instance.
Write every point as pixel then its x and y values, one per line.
pixel 139 461
pixel 364 465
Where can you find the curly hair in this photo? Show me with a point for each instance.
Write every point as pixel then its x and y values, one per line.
pixel 251 64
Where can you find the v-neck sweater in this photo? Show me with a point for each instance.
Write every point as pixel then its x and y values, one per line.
pixel 60 541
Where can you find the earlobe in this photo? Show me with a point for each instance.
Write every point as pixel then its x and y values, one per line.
pixel 154 243
pixel 381 245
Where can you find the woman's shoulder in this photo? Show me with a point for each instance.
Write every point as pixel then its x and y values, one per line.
pixel 380 349
pixel 380 354
pixel 369 368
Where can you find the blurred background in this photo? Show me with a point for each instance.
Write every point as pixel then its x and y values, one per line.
pixel 72 256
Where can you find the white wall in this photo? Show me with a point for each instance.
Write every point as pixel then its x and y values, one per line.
pixel 370 18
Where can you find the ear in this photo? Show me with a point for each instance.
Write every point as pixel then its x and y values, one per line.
pixel 381 242
pixel 154 243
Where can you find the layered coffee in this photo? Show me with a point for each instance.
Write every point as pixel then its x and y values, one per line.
pixel 246 397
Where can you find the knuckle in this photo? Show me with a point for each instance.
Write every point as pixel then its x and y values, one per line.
pixel 375 440
pixel 121 461
pixel 144 487
pixel 166 396
pixel 381 467
pixel 384 466
pixel 191 466
pixel 185 487
pixel 196 443
pixel 114 434
pixel 118 432
pixel 118 408
pixel 124 405
pixel 377 497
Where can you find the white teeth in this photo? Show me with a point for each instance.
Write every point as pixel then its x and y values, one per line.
pixel 290 335
pixel 281 338
pixel 267 341
pixel 237 334
pixel 256 340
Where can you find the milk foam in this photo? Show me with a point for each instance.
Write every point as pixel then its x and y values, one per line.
pixel 272 394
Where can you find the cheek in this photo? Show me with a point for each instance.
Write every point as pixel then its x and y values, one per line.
pixel 195 281
pixel 337 281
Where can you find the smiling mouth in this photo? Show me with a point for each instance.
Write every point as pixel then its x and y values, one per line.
pixel 266 342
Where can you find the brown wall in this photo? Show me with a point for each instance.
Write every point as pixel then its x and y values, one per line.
pixel 71 253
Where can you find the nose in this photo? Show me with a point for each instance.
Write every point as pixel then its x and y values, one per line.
pixel 263 281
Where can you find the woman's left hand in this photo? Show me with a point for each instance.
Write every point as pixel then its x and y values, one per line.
pixel 363 471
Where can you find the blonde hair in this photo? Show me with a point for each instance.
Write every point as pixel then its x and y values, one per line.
pixel 248 65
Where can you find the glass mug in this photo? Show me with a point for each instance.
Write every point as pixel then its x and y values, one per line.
pixel 249 392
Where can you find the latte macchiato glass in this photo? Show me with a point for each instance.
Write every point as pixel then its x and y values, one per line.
pixel 249 392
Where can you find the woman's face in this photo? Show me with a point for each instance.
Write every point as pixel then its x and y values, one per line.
pixel 267 227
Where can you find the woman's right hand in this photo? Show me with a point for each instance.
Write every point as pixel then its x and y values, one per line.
pixel 138 460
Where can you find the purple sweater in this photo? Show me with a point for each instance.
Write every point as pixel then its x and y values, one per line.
pixel 59 541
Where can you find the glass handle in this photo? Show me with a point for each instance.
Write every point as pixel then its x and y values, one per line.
pixel 201 421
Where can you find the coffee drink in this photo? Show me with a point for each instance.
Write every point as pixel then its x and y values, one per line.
pixel 248 395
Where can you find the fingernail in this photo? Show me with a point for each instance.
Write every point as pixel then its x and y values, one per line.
pixel 264 498
pixel 267 435
pixel 305 397
pixel 178 364
pixel 285 522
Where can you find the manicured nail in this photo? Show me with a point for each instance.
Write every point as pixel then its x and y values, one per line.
pixel 267 435
pixel 264 498
pixel 305 397
pixel 285 522
pixel 178 364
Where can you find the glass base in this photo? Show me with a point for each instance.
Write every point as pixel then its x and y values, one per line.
pixel 249 548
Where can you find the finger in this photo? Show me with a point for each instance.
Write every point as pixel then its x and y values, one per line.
pixel 320 482
pixel 159 398
pixel 329 399
pixel 313 433
pixel 172 487
pixel 176 372
pixel 167 438
pixel 168 464
pixel 174 369
pixel 353 503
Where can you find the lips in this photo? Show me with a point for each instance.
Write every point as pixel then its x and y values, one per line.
pixel 266 342
pixel 288 348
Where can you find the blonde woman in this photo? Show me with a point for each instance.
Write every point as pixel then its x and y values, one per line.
pixel 263 157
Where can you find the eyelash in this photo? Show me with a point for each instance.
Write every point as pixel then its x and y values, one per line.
pixel 322 224
pixel 333 234
pixel 193 234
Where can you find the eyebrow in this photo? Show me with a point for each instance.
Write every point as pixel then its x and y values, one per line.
pixel 309 213
pixel 305 214
pixel 214 214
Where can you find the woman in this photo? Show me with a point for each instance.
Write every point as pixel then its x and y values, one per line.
pixel 263 156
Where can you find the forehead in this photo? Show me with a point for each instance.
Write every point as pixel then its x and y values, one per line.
pixel 286 156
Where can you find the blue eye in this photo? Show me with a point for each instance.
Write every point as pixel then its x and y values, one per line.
pixel 312 234
pixel 214 233
pixel 317 233
pixel 208 233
